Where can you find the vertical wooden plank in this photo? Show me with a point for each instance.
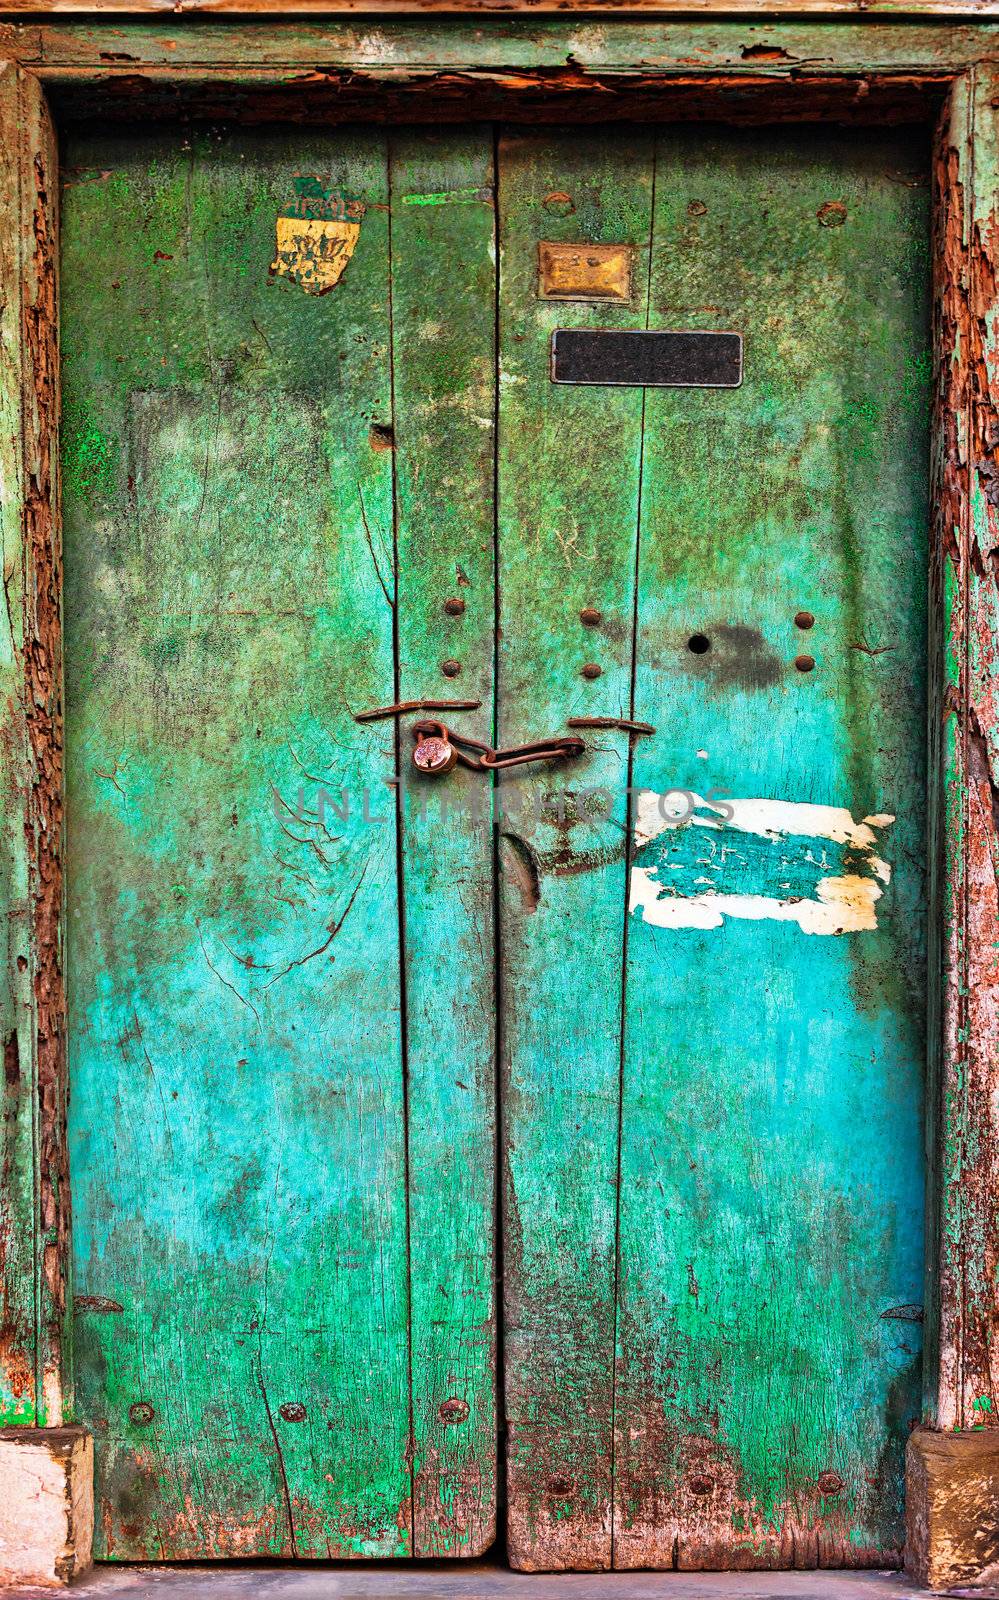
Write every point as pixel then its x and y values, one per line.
pixel 17 1180
pixel 771 1200
pixel 947 788
pixel 34 1192
pixel 569 469
pixel 961 1377
pixel 237 1115
pixel 444 381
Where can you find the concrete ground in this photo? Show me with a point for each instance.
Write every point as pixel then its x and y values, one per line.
pixel 478 1580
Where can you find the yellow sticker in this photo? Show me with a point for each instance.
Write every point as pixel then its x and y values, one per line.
pixel 315 235
pixel 313 254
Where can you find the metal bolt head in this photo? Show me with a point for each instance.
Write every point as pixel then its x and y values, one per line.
pixel 590 616
pixel 454 606
pixel 804 619
pixel 450 668
pixel 591 670
pixel 804 663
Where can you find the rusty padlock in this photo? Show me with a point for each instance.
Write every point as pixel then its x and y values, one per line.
pixel 434 753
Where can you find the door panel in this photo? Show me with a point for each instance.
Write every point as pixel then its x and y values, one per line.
pixel 293 493
pixel 769 1232
pixel 444 369
pixel 771 1160
pixel 245 1255
pixel 569 473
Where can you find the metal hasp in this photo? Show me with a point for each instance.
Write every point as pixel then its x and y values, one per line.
pixel 656 359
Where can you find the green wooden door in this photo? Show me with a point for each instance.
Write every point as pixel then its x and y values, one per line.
pixel 314 462
pixel 713 1013
pixel 283 1184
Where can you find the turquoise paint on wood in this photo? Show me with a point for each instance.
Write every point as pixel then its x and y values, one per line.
pixel 569 463
pixel 237 1129
pixel 771 1159
pixel 713 1174
pixel 444 371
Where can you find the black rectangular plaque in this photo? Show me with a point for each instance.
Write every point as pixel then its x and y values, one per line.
pixel 654 359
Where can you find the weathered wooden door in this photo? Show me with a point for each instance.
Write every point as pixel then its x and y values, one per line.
pixel 282 1158
pixel 315 462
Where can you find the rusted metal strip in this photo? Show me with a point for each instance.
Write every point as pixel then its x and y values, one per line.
pixel 402 706
pixel 624 723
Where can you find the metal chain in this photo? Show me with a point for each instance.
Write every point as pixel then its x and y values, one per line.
pixel 487 759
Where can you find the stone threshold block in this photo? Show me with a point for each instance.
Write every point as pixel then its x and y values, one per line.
pixel 46 1505
pixel 952 1507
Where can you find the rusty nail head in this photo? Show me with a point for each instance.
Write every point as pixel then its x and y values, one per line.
pixel 701 1485
pixel 292 1411
pixel 450 668
pixel 454 606
pixel 558 1486
pixel 804 663
pixel 829 1482
pixel 591 670
pixel 832 214
pixel 804 619
pixel 141 1413
pixel 454 1410
pixel 591 616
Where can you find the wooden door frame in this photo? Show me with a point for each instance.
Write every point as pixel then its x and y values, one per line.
pixel 815 62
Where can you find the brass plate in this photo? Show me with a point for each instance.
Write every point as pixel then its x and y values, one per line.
pixel 584 271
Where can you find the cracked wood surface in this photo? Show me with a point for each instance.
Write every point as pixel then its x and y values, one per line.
pixel 215 421
pixel 866 10
pixel 34 1195
pixel 537 68
pixel 248 1266
pixel 444 390
pixel 62 47
pixel 728 1183
pixel 771 1158
pixel 568 515
pixel 961 1374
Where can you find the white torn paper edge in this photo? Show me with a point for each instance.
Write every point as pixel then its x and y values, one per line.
pixel 842 904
